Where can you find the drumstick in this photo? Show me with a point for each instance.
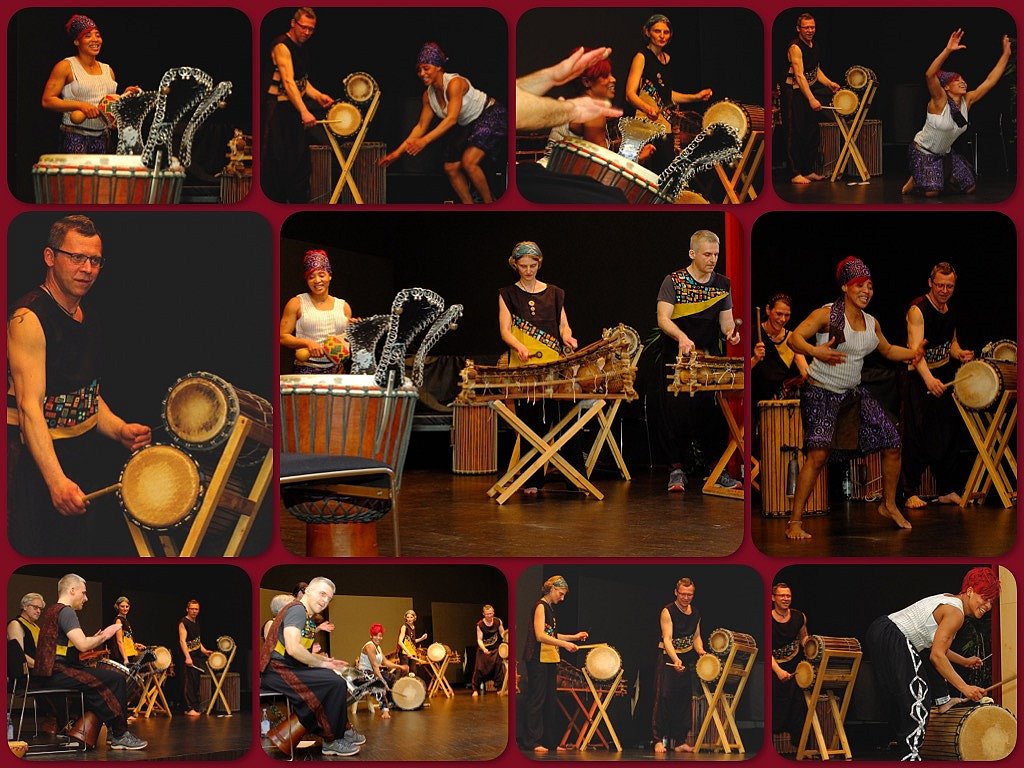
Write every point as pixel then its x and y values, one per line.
pixel 103 491
pixel 1010 679
pixel 760 338
pixel 592 645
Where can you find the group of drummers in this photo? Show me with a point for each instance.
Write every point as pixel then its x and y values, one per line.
pixel 816 371
pixel 114 671
pixel 319 688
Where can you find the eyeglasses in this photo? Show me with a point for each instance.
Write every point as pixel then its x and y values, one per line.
pixel 32 605
pixel 78 259
pixel 306 27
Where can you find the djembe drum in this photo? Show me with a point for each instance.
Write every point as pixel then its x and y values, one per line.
pixel 782 437
pixel 105 180
pixel 576 157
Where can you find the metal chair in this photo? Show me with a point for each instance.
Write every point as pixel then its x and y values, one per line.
pixel 16 660
pixel 288 712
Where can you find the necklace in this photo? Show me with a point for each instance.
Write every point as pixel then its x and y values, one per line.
pixel 70 314
pixel 536 290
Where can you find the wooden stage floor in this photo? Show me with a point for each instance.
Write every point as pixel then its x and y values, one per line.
pixel 855 529
pixel 448 515
pixel 177 738
pixel 886 190
pixel 459 728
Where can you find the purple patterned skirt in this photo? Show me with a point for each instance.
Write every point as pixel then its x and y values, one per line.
pixel 488 133
pixel 819 411
pixel 939 173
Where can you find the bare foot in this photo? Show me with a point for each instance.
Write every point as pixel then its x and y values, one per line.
pixel 659 748
pixel 540 750
pixel 815 177
pixel 893 514
pixel 915 502
pixel 684 747
pixel 795 530
pixel 385 714
pixel 800 179
pixel 475 694
pixel 950 704
pixel 192 713
pixel 563 749
pixel 951 498
pixel 908 187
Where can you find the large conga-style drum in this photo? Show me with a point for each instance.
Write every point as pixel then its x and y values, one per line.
pixel 721 641
pixel 346 415
pixel 816 645
pixel 105 180
pixel 972 732
pixel 576 157
pixel 474 439
pixel 979 384
pixel 409 692
pixel 782 439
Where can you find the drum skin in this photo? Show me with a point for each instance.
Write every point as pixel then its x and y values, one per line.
pixel 437 652
pixel 1004 349
pixel 160 487
pixel 360 87
pixel 804 674
pixel 982 732
pixel 217 661
pixel 816 646
pixel 163 658
pixel 225 644
pixel 721 641
pixel 603 662
pixel 409 692
pixel 343 118
pixel 845 101
pixel 709 668
pixel 503 650
pixel 980 383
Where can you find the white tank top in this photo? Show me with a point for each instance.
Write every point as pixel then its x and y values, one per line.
pixel 473 102
pixel 318 324
pixel 858 345
pixel 940 131
pixel 364 660
pixel 917 622
pixel 88 88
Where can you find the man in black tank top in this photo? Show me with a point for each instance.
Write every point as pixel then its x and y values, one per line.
pixel 933 431
pixel 284 159
pixel 54 407
pixel 800 107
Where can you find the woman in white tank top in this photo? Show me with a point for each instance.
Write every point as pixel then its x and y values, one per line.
pixel 313 323
pixel 934 166
pixel 844 334
pixel 75 87
pixel 474 124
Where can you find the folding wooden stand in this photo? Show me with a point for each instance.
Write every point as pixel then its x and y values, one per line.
pixel 347 163
pixel 718 701
pixel 439 683
pixel 841 676
pixel 604 434
pixel 992 433
pixel 546 448
pixel 151 699
pixel 598 711
pixel 246 507
pixel 218 679
pixel 739 184
pixel 735 444
pixel 851 131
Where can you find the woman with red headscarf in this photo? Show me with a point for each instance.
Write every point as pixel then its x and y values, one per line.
pixel 75 88
pixel 934 166
pixel 913 662
pixel 314 323
pixel 844 334
pixel 373 662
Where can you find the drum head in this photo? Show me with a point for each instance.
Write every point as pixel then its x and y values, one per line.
pixel 709 667
pixel 978 385
pixel 225 644
pixel 720 640
pixel 804 674
pixel 198 410
pixel 858 77
pixel 813 648
pixel 360 87
pixel 408 692
pixel 845 101
pixel 217 660
pixel 503 650
pixel 163 658
pixel 603 662
pixel 343 118
pixel 160 486
pixel 730 113
pixel 437 652
pixel 1004 349
pixel 989 732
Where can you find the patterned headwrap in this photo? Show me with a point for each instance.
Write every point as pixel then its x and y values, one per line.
pixel 526 248
pixel 315 261
pixel 982 581
pixel 849 271
pixel 654 19
pixel 376 629
pixel 431 53
pixel 78 25
pixel 555 582
pixel 945 78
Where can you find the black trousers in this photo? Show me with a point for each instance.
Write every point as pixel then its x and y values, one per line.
pixel 190 681
pixel 789 709
pixel 318 696
pixel 802 131
pixel 542 722
pixel 673 701
pixel 285 163
pixel 106 692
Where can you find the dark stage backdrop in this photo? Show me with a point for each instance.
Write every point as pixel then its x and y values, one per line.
pixel 610 264
pixel 384 44
pixel 424 584
pixel 716 48
pixel 797 253
pixel 158 595
pixel 899 44
pixel 140 44
pixel 621 605
pixel 179 293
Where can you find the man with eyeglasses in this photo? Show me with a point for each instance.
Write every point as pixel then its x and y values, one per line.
pixel 284 162
pixel 24 629
pixel 55 413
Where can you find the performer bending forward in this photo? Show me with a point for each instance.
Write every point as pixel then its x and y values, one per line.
pixel 845 335
pixel 910 653
pixel 680 639
pixel 318 695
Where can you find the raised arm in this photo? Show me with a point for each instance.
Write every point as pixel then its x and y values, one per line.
pixel 936 92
